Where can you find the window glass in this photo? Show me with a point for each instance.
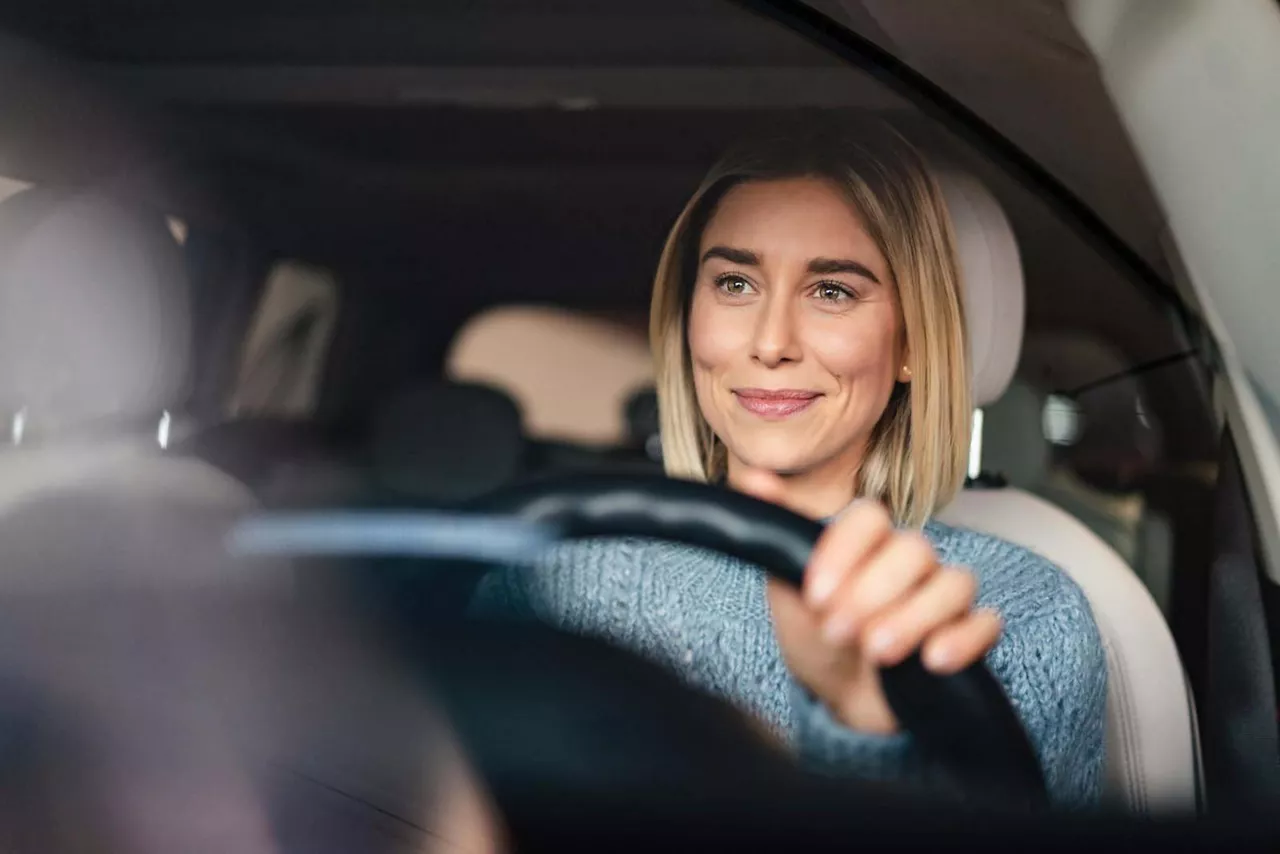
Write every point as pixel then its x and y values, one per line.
pixel 1061 421
pixel 283 355
pixel 1087 455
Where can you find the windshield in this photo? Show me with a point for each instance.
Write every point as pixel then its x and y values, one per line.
pixel 301 309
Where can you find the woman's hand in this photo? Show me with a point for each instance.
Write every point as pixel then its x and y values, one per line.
pixel 872 595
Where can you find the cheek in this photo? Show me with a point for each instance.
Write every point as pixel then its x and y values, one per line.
pixel 718 335
pixel 867 346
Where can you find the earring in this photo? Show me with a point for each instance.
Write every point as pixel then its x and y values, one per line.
pixel 906 373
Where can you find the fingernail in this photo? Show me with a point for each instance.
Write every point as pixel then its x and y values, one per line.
pixel 880 642
pixel 839 628
pixel 936 660
pixel 820 589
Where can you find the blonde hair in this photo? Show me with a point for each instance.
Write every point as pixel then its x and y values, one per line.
pixel 917 454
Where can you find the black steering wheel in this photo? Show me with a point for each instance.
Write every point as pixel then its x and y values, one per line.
pixel 512 688
pixel 964 721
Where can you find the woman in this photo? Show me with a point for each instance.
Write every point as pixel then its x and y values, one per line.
pixel 809 336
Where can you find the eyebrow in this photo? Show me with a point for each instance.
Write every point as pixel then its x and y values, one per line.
pixel 841 265
pixel 732 255
pixel 822 266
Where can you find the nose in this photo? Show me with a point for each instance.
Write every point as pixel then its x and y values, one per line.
pixel 775 340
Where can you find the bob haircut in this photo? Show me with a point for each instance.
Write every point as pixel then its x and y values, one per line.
pixel 917 454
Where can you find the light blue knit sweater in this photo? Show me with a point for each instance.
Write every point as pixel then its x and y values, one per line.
pixel 705 616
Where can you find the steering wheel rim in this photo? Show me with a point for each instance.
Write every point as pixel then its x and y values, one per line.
pixel 963 720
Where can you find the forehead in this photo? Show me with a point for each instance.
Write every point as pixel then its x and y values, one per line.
pixel 800 217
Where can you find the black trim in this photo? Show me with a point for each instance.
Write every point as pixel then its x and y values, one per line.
pixel 1137 370
pixel 838 39
pixel 1240 734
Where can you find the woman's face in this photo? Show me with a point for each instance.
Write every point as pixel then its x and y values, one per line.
pixel 794 331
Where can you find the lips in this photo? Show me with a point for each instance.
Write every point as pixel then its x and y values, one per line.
pixel 775 404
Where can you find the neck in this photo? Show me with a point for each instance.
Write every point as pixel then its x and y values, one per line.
pixel 816 493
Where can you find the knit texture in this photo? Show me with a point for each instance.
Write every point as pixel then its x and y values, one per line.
pixel 705 616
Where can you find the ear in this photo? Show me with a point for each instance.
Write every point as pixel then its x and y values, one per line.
pixel 904 370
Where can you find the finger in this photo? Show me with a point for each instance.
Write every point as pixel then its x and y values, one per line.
pixel 960 644
pixel 888 576
pixel 762 484
pixel 796 627
pixel 945 597
pixel 843 548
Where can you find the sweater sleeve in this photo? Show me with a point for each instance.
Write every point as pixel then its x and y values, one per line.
pixel 706 617
pixel 1052 666
pixel 824 744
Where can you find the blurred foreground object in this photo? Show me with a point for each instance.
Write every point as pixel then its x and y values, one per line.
pixel 158 697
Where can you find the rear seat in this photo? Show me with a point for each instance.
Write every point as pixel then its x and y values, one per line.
pixel 431 444
pixel 285 463
pixel 435 444
pixel 442 443
pixel 446 443
pixel 643 426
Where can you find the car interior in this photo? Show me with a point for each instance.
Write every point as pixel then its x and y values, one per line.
pixel 392 255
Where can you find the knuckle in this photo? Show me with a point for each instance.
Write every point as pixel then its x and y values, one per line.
pixel 849 596
pixel 882 583
pixel 846 603
pixel 915 548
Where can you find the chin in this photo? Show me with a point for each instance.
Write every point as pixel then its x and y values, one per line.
pixel 779 457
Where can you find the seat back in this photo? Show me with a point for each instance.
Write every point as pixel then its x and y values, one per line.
pixel 1151 747
pixel 94 351
pixel 446 443
pixel 1151 754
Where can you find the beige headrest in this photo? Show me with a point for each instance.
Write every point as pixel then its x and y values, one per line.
pixel 571 373
pixel 994 291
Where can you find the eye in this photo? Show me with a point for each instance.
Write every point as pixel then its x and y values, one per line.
pixel 734 285
pixel 833 292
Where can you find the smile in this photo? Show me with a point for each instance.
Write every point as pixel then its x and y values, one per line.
pixel 775 404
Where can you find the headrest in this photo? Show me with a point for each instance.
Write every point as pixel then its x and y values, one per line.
pixel 991 274
pixel 571 372
pixel 643 424
pixel 94 311
pixel 446 443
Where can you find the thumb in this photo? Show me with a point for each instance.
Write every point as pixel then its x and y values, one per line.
pixel 762 484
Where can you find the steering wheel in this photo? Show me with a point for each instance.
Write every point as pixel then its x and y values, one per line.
pixel 964 721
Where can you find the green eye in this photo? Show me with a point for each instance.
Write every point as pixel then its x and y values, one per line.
pixel 828 292
pixel 734 285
